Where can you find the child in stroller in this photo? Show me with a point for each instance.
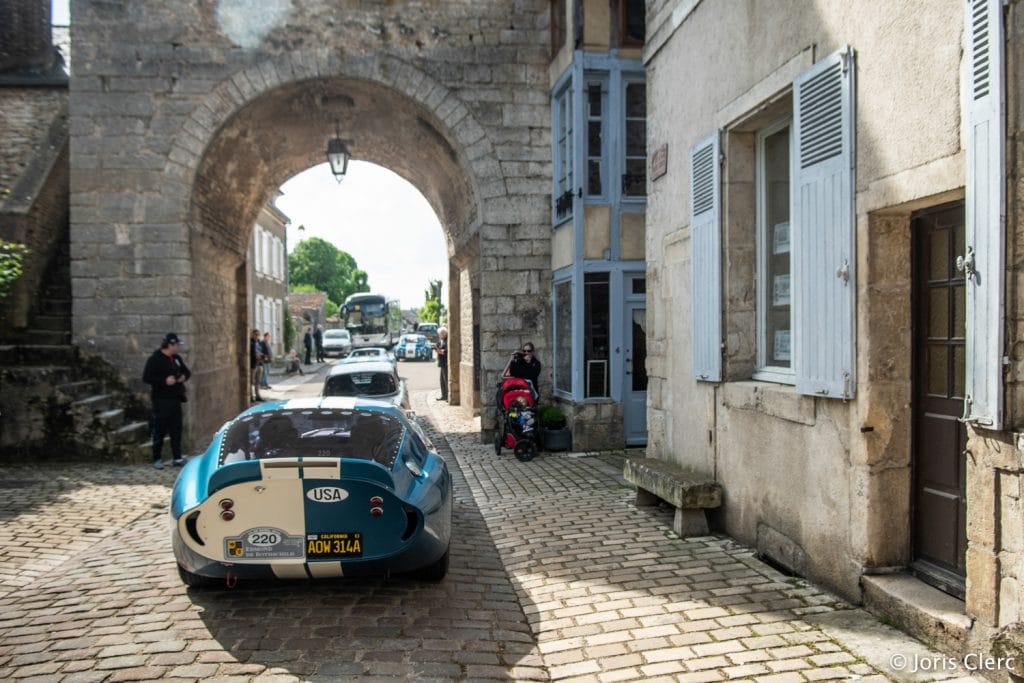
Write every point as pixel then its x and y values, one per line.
pixel 516 401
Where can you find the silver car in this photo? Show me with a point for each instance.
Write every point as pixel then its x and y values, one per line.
pixel 375 379
pixel 337 343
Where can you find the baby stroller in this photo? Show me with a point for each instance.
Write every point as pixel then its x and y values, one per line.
pixel 517 428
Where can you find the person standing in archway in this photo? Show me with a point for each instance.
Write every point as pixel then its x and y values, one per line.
pixel 307 343
pixel 166 374
pixel 442 361
pixel 318 339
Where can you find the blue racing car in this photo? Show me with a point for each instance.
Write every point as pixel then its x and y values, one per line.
pixel 313 488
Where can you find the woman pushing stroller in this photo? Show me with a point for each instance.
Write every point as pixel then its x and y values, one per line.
pixel 517 399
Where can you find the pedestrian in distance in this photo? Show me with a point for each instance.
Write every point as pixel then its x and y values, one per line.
pixel 166 373
pixel 307 342
pixel 318 339
pixel 255 363
pixel 265 358
pixel 441 347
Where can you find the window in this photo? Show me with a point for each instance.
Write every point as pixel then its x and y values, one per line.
pixel 597 320
pixel 632 22
pixel 257 249
pixel 774 299
pixel 804 271
pixel 563 191
pixel 596 105
pixel 563 336
pixel 634 180
pixel 557 26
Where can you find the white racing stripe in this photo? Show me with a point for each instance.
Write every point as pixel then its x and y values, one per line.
pixel 289 571
pixel 325 570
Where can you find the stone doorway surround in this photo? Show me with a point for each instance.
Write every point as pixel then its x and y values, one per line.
pixel 182 129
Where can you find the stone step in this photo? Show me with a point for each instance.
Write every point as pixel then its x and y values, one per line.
pixel 55 306
pixel 38 354
pixel 928 614
pixel 79 389
pixel 112 419
pixel 45 337
pixel 92 406
pixel 130 434
pixel 51 323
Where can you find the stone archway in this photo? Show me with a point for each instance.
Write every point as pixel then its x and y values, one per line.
pixel 182 125
pixel 281 130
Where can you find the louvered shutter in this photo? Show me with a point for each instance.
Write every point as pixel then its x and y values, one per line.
pixel 983 262
pixel 706 254
pixel 824 277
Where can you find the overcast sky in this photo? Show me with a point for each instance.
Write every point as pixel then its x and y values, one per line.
pixel 376 216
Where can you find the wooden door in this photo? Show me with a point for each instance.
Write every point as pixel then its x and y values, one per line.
pixel 939 437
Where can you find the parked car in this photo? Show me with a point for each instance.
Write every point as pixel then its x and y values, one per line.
pixel 337 343
pixel 313 487
pixel 413 347
pixel 375 379
pixel 428 330
pixel 370 353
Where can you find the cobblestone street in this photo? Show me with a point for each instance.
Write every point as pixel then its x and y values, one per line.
pixel 555 576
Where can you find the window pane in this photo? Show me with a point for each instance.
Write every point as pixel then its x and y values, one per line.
pixel 596 333
pixel 636 100
pixel 636 138
pixel 938 369
pixel 938 255
pixel 634 21
pixel 938 313
pixel 635 182
pixel 563 337
pixel 594 138
pixel 775 266
pixel 594 100
pixel 594 177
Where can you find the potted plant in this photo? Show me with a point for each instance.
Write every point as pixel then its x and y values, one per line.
pixel 555 434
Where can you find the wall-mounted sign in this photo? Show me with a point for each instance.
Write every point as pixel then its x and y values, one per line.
pixel 659 162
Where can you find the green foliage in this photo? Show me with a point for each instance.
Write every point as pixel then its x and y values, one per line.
pixel 289 330
pixel 552 417
pixel 433 310
pixel 330 308
pixel 322 266
pixel 12 256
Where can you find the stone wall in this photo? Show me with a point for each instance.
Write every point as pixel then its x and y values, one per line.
pixel 33 186
pixel 186 117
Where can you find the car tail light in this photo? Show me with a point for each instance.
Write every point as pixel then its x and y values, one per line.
pixel 376 511
pixel 227 515
pixel 227 504
pixel 376 501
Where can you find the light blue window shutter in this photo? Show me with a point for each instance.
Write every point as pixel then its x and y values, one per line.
pixel 823 239
pixel 983 262
pixel 706 269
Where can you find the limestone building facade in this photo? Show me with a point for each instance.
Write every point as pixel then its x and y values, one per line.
pixel 267 276
pixel 833 253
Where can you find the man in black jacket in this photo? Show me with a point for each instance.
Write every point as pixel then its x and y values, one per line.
pixel 166 373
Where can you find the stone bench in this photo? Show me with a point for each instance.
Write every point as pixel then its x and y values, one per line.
pixel 657 479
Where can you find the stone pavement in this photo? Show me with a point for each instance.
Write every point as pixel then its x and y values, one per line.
pixel 555 575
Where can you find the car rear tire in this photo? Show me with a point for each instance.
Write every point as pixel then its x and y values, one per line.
pixel 436 571
pixel 195 580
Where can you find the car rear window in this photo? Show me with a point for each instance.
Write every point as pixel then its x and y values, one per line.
pixel 361 384
pixel 365 435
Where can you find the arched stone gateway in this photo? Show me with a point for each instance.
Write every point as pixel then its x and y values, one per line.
pixel 182 131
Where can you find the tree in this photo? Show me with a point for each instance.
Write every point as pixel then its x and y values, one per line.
pixel 433 309
pixel 321 265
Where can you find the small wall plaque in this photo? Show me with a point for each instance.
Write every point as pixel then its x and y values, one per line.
pixel 659 162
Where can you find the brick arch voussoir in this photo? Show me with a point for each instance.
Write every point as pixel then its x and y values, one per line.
pixel 246 85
